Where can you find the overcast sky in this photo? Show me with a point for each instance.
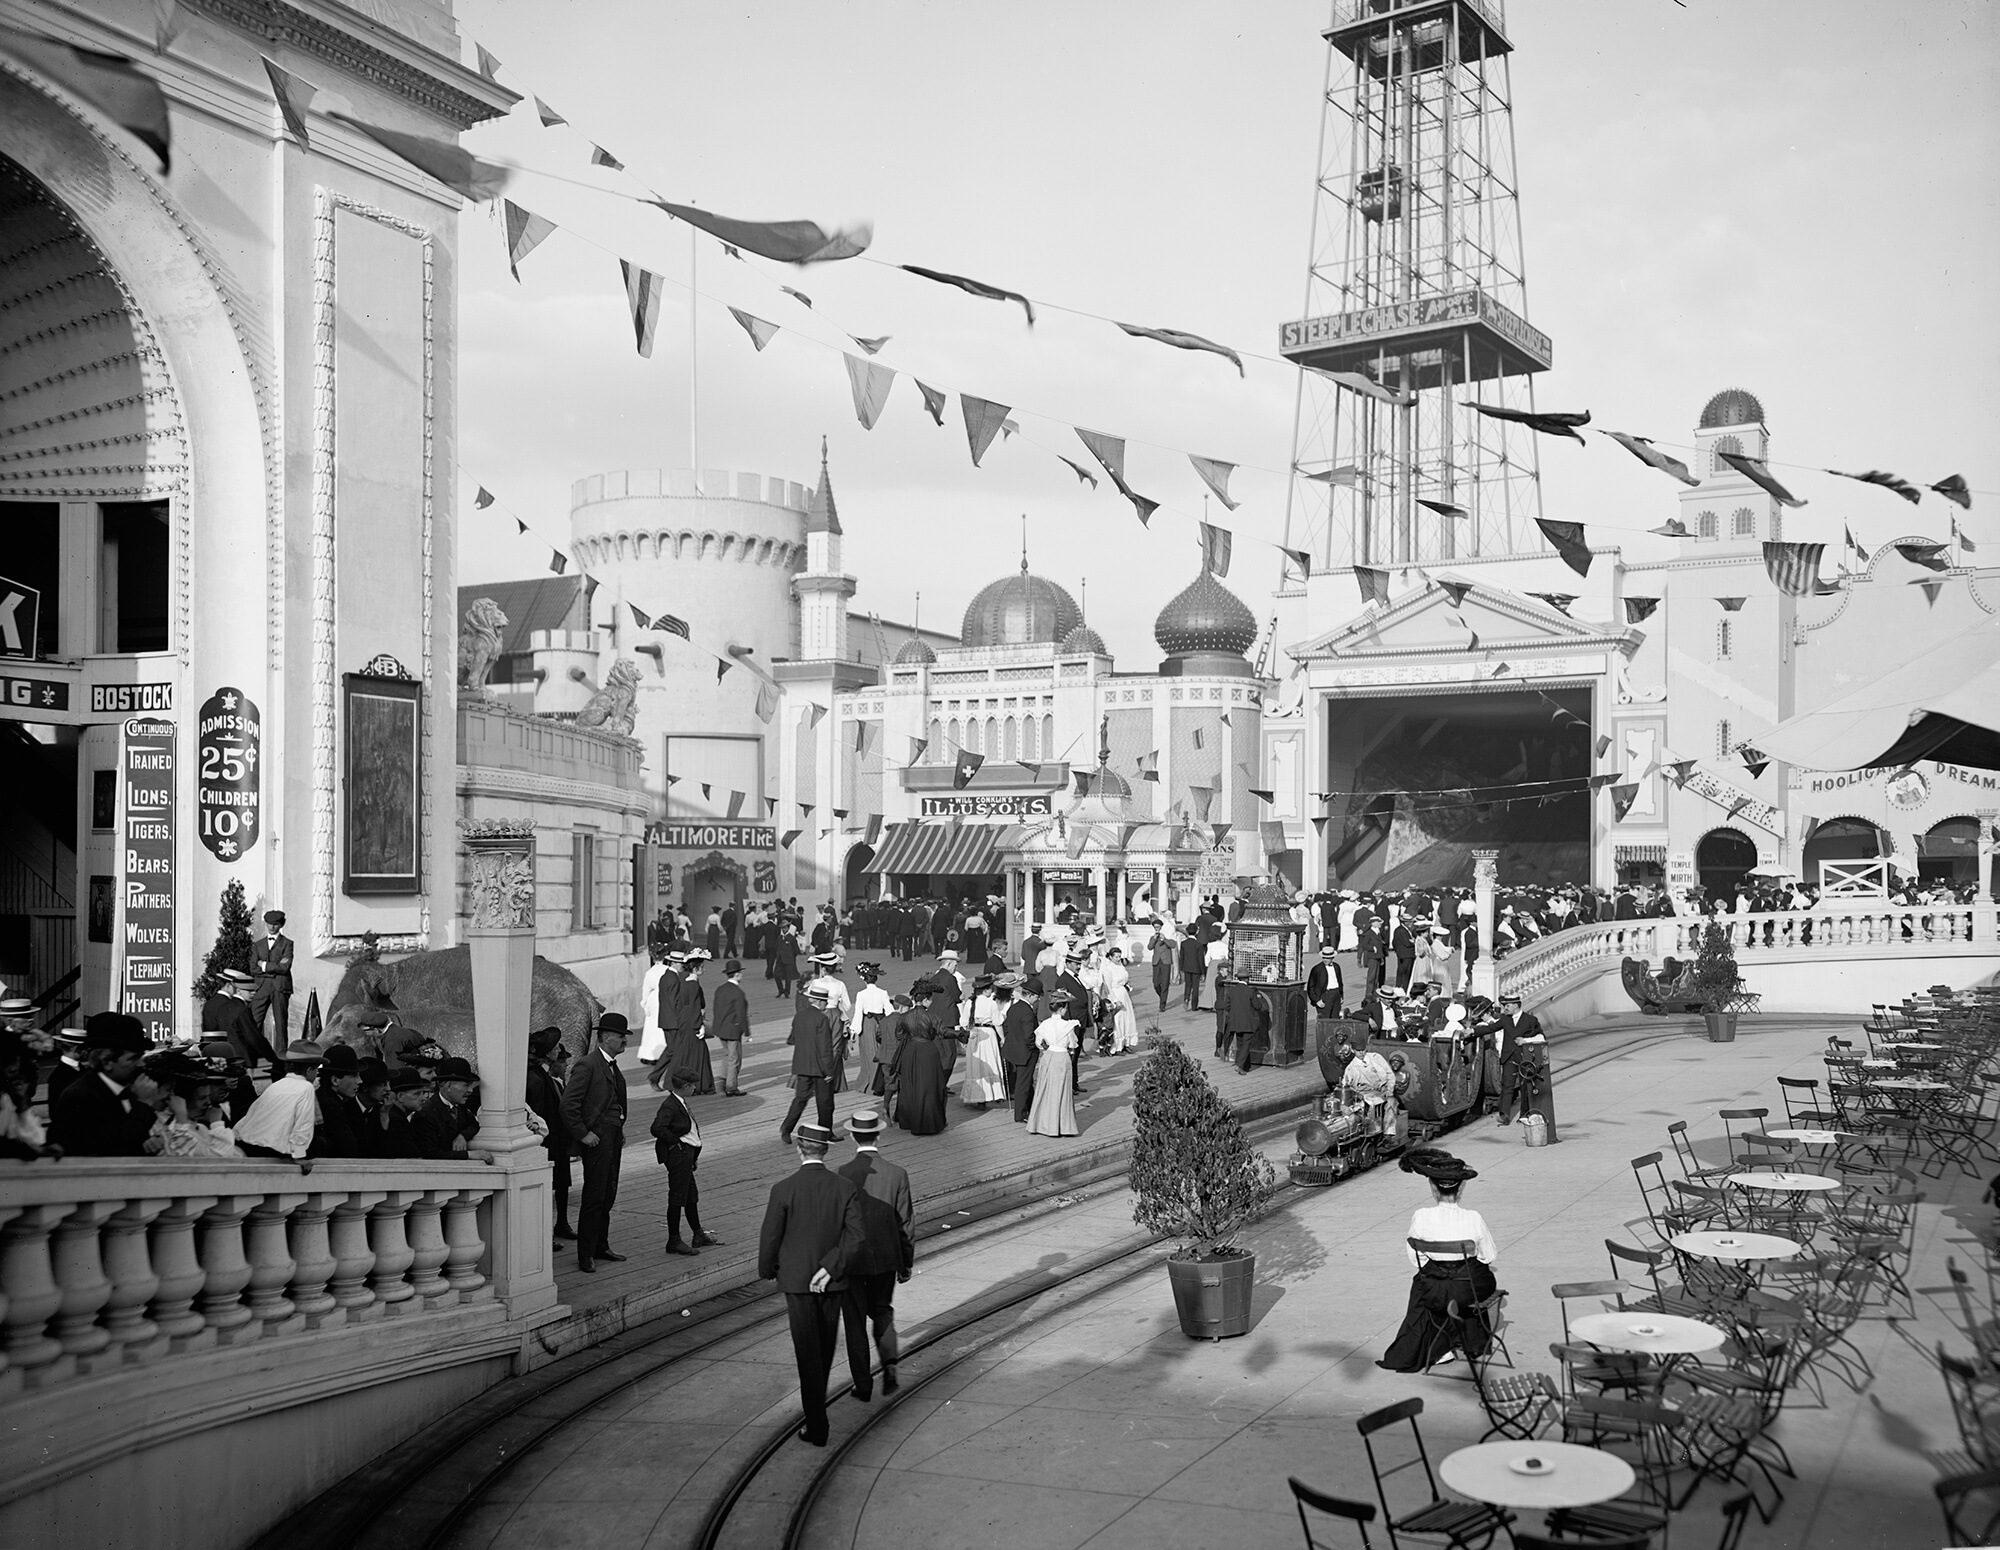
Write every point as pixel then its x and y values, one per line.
pixel 1796 198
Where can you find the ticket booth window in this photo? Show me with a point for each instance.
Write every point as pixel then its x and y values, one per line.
pixel 133 571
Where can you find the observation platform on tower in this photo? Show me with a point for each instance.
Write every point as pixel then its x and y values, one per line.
pixel 1454 336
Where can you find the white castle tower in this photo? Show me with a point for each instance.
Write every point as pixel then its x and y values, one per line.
pixel 822 588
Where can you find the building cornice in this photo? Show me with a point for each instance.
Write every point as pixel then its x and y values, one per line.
pixel 476 780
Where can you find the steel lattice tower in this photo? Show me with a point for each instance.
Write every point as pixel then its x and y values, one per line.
pixel 1415 284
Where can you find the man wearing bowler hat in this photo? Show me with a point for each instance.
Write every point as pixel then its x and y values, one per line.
pixel 593 1108
pixel 813 1062
pixel 97 1115
pixel 812 1230
pixel 447 1123
pixel 271 963
pixel 888 1253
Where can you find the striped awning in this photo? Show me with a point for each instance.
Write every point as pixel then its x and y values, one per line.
pixel 1625 855
pixel 939 850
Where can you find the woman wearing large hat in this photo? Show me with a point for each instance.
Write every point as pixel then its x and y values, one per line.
pixel 1429 1334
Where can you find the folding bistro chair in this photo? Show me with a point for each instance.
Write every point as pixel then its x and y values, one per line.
pixel 1803 1109
pixel 1737 1122
pixel 1585 1363
pixel 1448 1324
pixel 1360 1514
pixel 1963 1524
pixel 1663 1298
pixel 1642 1433
pixel 1692 1171
pixel 1974 1408
pixel 1516 1404
pixel 1461 1525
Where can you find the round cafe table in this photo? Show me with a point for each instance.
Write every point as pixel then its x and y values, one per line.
pixel 1913 1084
pixel 1736 1247
pixel 1785 1183
pixel 1565 1474
pixel 1651 1334
pixel 1806 1137
pixel 1910 1044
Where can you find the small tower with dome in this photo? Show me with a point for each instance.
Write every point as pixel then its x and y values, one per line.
pixel 1729 510
pixel 822 588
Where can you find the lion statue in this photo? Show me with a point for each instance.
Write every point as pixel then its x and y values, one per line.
pixel 615 706
pixel 479 644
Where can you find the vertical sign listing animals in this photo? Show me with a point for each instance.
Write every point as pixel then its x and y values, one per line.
pixel 147 869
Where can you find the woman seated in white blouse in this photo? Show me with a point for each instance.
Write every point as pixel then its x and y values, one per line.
pixel 1429 1335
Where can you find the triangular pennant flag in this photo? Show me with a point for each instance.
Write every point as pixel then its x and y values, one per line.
pixel 643 290
pixel 1319 822
pixel 1603 744
pixel 1222 832
pixel 870 382
pixel 673 780
pixel 840 812
pixel 451 165
pixel 1754 470
pixel 760 332
pixel 1597 782
pixel 1262 796
pixel 483 499
pixel 1962 538
pixel 1454 591
pixel 1500 669
pixel 1346 475
pixel 816 714
pixel 1445 508
pixel 525 232
pixel 806 809
pixel 1198 740
pixel 1299 560
pixel 1931 591
pixel 1925 553
pixel 871 346
pixel 130 98
pixel 1807 824
pixel 1653 457
pixel 1082 779
pixel 1793 568
pixel 1079 840
pixel 785 242
pixel 1738 805
pixel 826 831
pixel 1009 429
pixel 548 115
pixel 488 65
pixel 1108 450
pixel 1732 605
pixel 1639 609
pixel 1622 797
pixel 798 296
pixel 705 791
pixel 1550 422
pixel 976 288
pixel 1855 544
pixel 294 98
pixel 963 768
pixel 1567 537
pixel 933 401
pixel 1079 470
pixel 1886 480
pixel 1682 768
pixel 1672 528
pixel 918 747
pixel 1142 506
pixel 1034 771
pixel 1217 543
pixel 722 667
pixel 600 157
pixel 982 423
pixel 1216 476
pixel 167 20
pixel 1184 341
pixel 1365 386
pixel 1472 644
pixel 1954 488
pixel 860 737
pixel 640 617
pixel 1271 835
pixel 1199 799
pixel 1374 584
pixel 736 799
pixel 767 701
pixel 1756 767
pixel 522 526
pixel 874 829
pixel 1559 601
pixel 558 562
pixel 788 837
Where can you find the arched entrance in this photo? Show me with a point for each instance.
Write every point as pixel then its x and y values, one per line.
pixel 854 886
pixel 712 882
pixel 1722 860
pixel 1838 839
pixel 1950 852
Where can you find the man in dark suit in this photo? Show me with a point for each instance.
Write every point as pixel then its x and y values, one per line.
pixel 546 1061
pixel 1403 946
pixel 228 1013
pixel 446 1124
pixel 593 1108
pixel 730 1024
pixel 677 1144
pixel 1083 1007
pixel 1324 990
pixel 1017 1044
pixel 1194 967
pixel 97 1115
pixel 69 1063
pixel 271 963
pixel 889 1250
pixel 729 923
pixel 813 1065
pixel 813 1230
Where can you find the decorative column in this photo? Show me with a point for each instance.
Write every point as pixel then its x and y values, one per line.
pixel 1983 914
pixel 1048 899
pixel 1485 979
pixel 499 872
pixel 1100 878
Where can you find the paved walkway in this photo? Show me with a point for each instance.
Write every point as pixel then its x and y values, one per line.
pixel 980 1155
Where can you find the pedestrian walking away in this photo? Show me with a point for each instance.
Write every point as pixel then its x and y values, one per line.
pixel 677 1144
pixel 887 1258
pixel 813 1229
pixel 812 1042
pixel 730 1023
pixel 594 1110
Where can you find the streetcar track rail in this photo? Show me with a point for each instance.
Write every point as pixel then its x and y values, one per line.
pixel 493 1434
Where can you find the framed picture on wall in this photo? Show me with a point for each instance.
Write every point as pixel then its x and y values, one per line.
pixel 382 790
pixel 103 904
pixel 104 800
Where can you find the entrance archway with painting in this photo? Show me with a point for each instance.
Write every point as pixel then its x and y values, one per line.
pixel 1948 852
pixel 1722 860
pixel 856 887
pixel 1838 839
pixel 709 883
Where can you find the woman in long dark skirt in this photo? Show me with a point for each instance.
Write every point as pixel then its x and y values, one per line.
pixel 1429 1335
pixel 920 1076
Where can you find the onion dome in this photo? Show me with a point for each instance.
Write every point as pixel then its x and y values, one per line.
pixel 1206 620
pixel 1267 907
pixel 1083 639
pixel 1732 406
pixel 1019 610
pixel 916 651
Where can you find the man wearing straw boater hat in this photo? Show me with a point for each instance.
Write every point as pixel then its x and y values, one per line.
pixel 888 1253
pixel 813 1230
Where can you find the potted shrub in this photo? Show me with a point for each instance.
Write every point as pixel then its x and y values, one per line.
pixel 1718 982
pixel 1195 1178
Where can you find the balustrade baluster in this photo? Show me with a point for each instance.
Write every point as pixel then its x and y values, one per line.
pixel 128 1261
pixel 312 1260
pixel 78 1261
pixel 424 1231
pixel 178 1268
pixel 393 1254
pixel 271 1266
pixel 225 1270
pixel 464 1248
pixel 32 1294
pixel 353 1259
pixel 10 1378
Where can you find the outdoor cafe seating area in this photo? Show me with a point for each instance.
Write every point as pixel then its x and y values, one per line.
pixel 1766 1234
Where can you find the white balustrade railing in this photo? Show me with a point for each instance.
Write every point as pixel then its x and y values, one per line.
pixel 1871 927
pixel 115 1262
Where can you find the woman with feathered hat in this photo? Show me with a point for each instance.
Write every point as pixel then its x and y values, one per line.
pixel 1428 1335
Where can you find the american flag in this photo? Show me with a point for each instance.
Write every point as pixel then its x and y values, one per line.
pixel 1794 568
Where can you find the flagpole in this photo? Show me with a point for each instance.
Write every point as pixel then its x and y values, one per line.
pixel 694 377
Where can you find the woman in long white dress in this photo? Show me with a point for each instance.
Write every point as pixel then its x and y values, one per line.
pixel 985 1072
pixel 1054 1110
pixel 1118 991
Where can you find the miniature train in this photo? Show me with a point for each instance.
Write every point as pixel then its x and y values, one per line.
pixel 1430 1073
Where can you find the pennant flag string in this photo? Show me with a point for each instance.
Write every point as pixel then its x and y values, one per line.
pixel 760 332
pixel 526 231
